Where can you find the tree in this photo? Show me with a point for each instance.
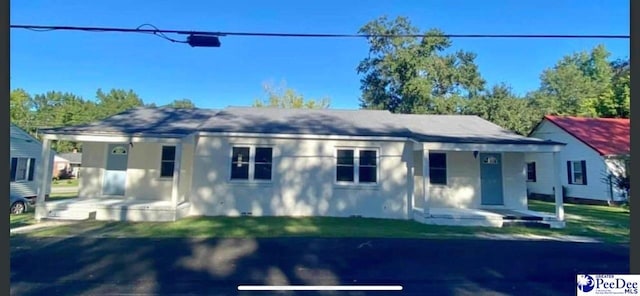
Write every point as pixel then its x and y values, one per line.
pixel 283 97
pixel 182 103
pixel 584 84
pixel 116 101
pixel 411 75
pixel 20 105
pixel 502 107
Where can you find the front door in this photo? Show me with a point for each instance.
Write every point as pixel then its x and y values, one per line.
pixel 115 175
pixel 491 179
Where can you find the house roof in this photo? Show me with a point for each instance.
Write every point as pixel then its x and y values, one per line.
pixel 73 157
pixel 170 122
pixel 607 136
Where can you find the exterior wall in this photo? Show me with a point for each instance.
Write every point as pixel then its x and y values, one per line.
pixel 23 145
pixel 302 182
pixel 143 173
pixel 186 173
pixel 92 169
pixel 418 183
pixel 575 150
pixel 463 189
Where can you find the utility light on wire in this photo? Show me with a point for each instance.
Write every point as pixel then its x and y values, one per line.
pixel 203 41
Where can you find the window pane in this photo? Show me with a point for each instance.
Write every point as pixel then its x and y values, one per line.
pixel 577 178
pixel 263 172
pixel 345 157
pixel 240 171
pixel 168 153
pixel 437 160
pixel 368 157
pixel 438 176
pixel 21 171
pixel 240 154
pixel 166 168
pixel 577 167
pixel 367 175
pixel 263 155
pixel 345 174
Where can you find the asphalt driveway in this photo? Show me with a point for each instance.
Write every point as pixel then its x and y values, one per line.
pixel 177 266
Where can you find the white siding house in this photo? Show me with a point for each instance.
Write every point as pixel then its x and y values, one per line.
pixel 24 157
pixel 594 149
pixel 162 164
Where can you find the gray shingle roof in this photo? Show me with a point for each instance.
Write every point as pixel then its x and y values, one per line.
pixel 170 122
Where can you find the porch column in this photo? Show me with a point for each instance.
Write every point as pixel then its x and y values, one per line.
pixel 557 168
pixel 425 179
pixel 175 188
pixel 43 179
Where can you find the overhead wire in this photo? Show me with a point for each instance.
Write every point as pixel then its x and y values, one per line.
pixel 161 33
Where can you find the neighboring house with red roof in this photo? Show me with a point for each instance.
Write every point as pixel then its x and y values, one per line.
pixel 596 147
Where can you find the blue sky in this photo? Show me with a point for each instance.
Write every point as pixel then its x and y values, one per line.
pixel 161 71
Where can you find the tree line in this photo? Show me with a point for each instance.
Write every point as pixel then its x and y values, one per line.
pixel 399 74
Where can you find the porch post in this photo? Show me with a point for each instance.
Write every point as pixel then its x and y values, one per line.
pixel 43 178
pixel 558 186
pixel 175 188
pixel 425 179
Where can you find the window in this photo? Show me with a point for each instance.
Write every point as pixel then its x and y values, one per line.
pixel 531 172
pixel 357 166
pixel 22 169
pixel 577 172
pixel 244 167
pixel 168 161
pixel 438 168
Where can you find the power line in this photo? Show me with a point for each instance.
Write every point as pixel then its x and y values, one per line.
pixel 161 33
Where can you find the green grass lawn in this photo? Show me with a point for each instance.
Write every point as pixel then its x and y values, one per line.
pixel 62 195
pixel 65 183
pixel 603 223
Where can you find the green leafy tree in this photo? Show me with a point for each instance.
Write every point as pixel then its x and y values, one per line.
pixel 116 101
pixel 584 84
pixel 502 107
pixel 182 103
pixel 20 113
pixel 413 75
pixel 284 97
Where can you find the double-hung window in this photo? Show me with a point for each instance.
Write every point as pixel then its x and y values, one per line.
pixel 577 172
pixel 437 168
pixel 22 169
pixel 531 172
pixel 251 163
pixel 168 161
pixel 357 166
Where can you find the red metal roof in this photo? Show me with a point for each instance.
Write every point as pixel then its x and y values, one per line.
pixel 608 136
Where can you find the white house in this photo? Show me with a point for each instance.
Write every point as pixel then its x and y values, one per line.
pixel 596 148
pixel 25 159
pixel 162 164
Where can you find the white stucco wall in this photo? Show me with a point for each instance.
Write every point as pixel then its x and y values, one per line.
pixel 143 173
pixel 302 181
pixel 463 188
pixel 92 169
pixel 575 150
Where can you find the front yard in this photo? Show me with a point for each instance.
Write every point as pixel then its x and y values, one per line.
pixel 607 224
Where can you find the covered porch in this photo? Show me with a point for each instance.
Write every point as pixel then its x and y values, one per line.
pixel 124 178
pixel 479 184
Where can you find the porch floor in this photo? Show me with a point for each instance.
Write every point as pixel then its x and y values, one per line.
pixel 487 217
pixel 117 209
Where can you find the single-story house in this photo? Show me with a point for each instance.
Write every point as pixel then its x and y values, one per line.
pixel 162 164
pixel 25 158
pixel 68 164
pixel 596 148
pixel 60 167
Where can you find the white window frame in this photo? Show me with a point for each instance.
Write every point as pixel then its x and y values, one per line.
pixel 445 169
pixel 251 162
pixel 576 164
pixel 356 166
pixel 163 161
pixel 25 177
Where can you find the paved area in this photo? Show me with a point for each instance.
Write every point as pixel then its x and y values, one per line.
pixel 177 266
